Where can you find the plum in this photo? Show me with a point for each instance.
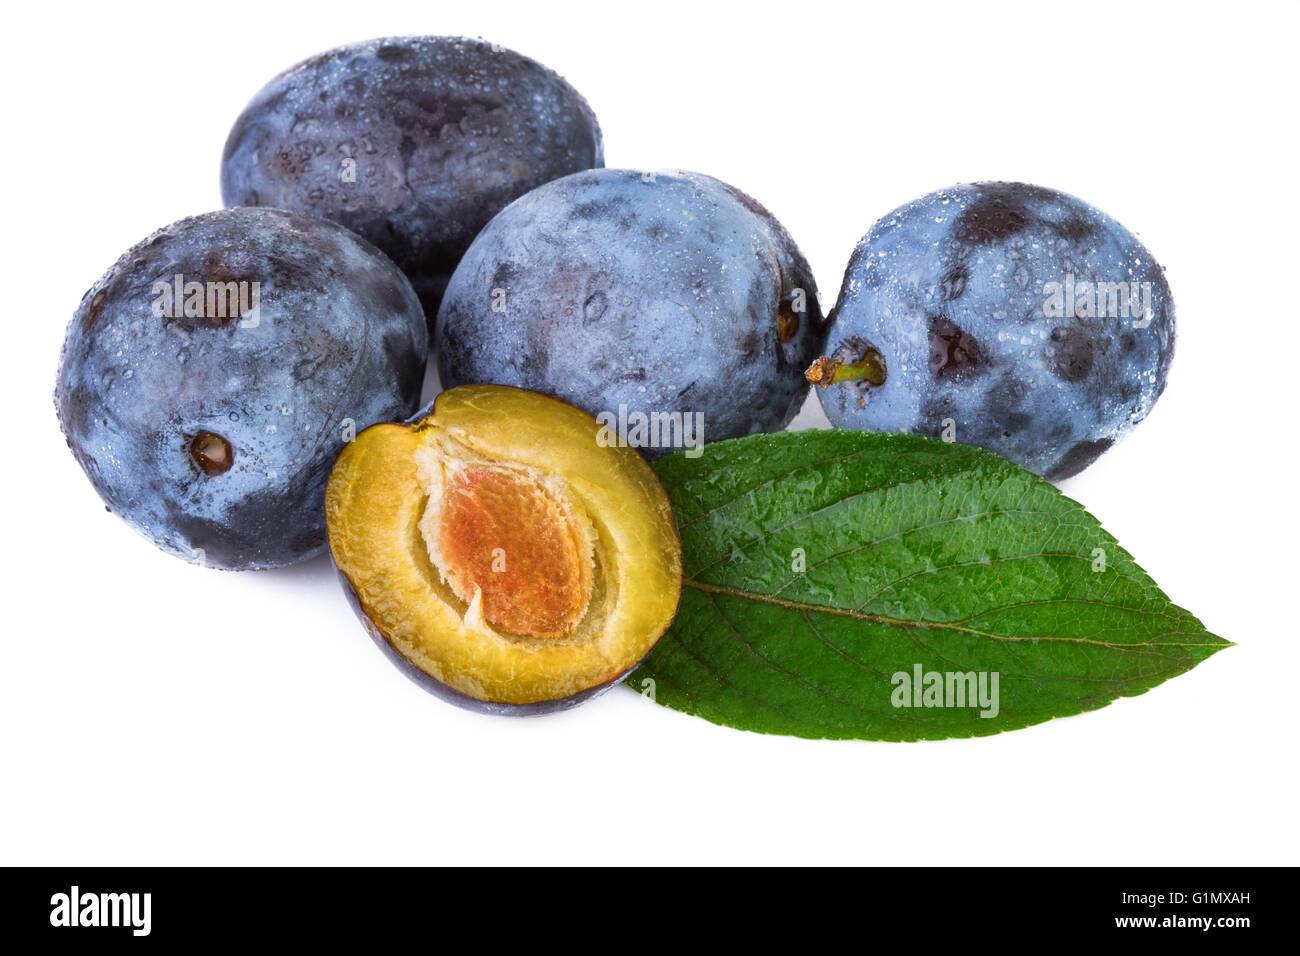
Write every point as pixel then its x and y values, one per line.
pixel 501 554
pixel 661 299
pixel 1003 315
pixel 412 142
pixel 209 379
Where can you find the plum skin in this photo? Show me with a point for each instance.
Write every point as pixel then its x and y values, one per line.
pixel 662 292
pixel 951 288
pixel 441 133
pixel 451 695
pixel 340 336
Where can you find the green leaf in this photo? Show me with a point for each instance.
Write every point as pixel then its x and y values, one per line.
pixel 821 565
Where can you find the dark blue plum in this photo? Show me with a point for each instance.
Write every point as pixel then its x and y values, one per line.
pixel 651 293
pixel 210 420
pixel 412 142
pixel 1003 315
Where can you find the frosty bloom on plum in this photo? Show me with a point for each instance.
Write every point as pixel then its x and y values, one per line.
pixel 414 143
pixel 670 293
pixel 211 434
pixel 1014 317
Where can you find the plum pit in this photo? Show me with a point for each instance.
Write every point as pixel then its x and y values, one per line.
pixel 515 545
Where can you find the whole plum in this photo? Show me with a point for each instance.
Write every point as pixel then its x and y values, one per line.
pixel 412 142
pixel 665 298
pixel 1003 315
pixel 209 380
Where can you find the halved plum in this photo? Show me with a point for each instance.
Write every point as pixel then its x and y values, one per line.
pixel 501 554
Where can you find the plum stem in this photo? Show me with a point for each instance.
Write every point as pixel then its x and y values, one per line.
pixel 827 371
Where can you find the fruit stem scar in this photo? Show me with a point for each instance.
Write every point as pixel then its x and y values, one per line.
pixel 787 321
pixel 827 371
pixel 212 453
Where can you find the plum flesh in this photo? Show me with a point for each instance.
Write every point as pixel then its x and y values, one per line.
pixel 501 555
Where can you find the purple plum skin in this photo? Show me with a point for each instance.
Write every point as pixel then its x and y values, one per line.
pixel 661 292
pixel 338 343
pixel 962 294
pixel 412 142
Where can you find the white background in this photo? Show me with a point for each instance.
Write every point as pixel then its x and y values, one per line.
pixel 156 712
